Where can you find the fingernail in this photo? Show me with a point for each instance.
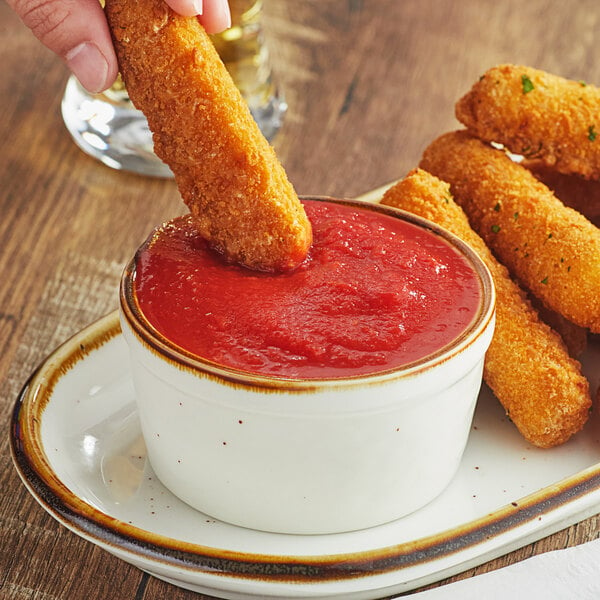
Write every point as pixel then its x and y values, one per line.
pixel 89 66
pixel 225 9
pixel 198 7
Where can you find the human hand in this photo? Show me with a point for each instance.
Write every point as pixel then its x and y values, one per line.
pixel 77 31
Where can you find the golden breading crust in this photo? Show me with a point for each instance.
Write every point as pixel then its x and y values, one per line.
pixel 551 249
pixel 226 171
pixel 538 115
pixel 527 365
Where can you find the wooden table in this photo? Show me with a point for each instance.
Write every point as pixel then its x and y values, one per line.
pixel 369 84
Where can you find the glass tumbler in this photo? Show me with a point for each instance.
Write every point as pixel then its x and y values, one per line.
pixel 108 127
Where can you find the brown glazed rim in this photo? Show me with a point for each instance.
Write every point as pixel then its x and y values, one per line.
pixel 32 463
pixel 158 344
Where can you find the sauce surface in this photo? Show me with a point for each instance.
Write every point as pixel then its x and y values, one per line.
pixel 374 293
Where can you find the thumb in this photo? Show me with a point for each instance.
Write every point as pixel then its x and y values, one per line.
pixel 77 31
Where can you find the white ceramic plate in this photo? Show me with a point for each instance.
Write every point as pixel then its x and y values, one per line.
pixel 77 445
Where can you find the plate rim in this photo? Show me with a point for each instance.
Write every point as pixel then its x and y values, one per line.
pixel 34 468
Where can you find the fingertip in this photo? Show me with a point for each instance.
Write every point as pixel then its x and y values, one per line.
pixel 216 16
pixel 187 8
pixel 93 69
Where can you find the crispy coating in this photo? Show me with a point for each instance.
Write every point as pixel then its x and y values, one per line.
pixel 551 249
pixel 572 190
pixel 527 365
pixel 226 171
pixel 538 115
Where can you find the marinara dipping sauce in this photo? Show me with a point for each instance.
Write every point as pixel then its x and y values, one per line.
pixel 375 293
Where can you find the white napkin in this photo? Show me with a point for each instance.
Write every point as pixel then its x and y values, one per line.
pixel 569 574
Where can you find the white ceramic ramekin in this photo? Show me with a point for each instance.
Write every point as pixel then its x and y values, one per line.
pixel 307 456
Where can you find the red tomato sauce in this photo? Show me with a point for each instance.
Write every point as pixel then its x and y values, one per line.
pixel 374 293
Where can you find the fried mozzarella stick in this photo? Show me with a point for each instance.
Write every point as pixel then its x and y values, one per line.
pixel 574 336
pixel 552 250
pixel 527 365
pixel 572 190
pixel 226 171
pixel 538 115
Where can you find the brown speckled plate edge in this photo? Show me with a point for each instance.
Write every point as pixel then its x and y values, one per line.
pixel 82 518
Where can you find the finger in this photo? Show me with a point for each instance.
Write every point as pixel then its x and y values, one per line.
pixel 187 8
pixel 216 16
pixel 76 30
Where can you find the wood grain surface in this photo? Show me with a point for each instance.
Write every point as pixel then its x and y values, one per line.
pixel 369 84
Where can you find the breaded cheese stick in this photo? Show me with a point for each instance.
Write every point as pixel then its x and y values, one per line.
pixel 574 336
pixel 538 115
pixel 527 365
pixel 581 194
pixel 227 173
pixel 551 249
